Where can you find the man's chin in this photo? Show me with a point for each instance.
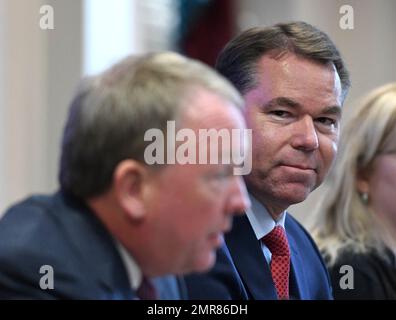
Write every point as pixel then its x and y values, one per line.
pixel 206 263
pixel 297 200
pixel 295 196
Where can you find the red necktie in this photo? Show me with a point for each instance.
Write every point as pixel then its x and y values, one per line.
pixel 146 290
pixel 276 242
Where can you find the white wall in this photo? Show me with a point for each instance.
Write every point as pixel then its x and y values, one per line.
pixel 2 106
pixel 40 70
pixel 23 149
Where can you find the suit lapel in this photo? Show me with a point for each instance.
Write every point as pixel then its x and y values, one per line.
pixel 249 260
pixel 298 285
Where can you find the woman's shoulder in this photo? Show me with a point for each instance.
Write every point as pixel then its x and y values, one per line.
pixel 363 261
pixel 363 275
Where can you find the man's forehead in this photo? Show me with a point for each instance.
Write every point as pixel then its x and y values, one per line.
pixel 288 62
pixel 290 72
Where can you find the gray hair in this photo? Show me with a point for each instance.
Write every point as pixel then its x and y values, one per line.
pixel 238 60
pixel 342 219
pixel 111 112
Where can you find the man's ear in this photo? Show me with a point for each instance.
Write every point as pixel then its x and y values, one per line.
pixel 128 181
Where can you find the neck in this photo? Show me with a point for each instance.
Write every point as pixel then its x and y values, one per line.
pixel 275 212
pixel 274 209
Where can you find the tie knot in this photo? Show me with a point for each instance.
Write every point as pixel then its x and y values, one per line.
pixel 146 290
pixel 276 241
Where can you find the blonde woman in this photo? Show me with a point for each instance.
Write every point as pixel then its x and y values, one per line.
pixel 356 219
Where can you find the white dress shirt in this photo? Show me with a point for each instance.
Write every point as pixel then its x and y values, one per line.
pixel 135 275
pixel 263 223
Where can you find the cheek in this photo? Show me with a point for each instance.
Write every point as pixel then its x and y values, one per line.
pixel 383 186
pixel 210 204
pixel 265 144
pixel 383 201
pixel 205 203
pixel 388 178
pixel 328 152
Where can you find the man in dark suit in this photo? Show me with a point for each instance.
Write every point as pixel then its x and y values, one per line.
pixel 294 83
pixel 122 224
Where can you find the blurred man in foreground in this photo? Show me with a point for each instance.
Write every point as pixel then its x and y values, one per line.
pixel 123 216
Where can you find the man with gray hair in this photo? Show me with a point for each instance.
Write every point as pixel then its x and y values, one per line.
pixel 118 221
pixel 294 83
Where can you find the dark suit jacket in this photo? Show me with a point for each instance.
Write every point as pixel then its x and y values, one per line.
pixel 241 271
pixel 373 277
pixel 62 232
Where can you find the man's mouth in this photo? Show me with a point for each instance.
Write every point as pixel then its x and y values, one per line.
pixel 299 166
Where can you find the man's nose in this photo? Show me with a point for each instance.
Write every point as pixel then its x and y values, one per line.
pixel 239 198
pixel 305 136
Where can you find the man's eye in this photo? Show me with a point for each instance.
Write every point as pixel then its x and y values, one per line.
pixel 327 121
pixel 280 113
pixel 223 174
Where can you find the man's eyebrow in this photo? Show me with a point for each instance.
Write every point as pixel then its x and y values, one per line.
pixel 287 102
pixel 281 101
pixel 336 110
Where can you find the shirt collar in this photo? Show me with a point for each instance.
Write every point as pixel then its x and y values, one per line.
pixel 260 219
pixel 134 272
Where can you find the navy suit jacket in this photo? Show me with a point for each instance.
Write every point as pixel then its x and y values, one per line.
pixel 62 232
pixel 242 272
